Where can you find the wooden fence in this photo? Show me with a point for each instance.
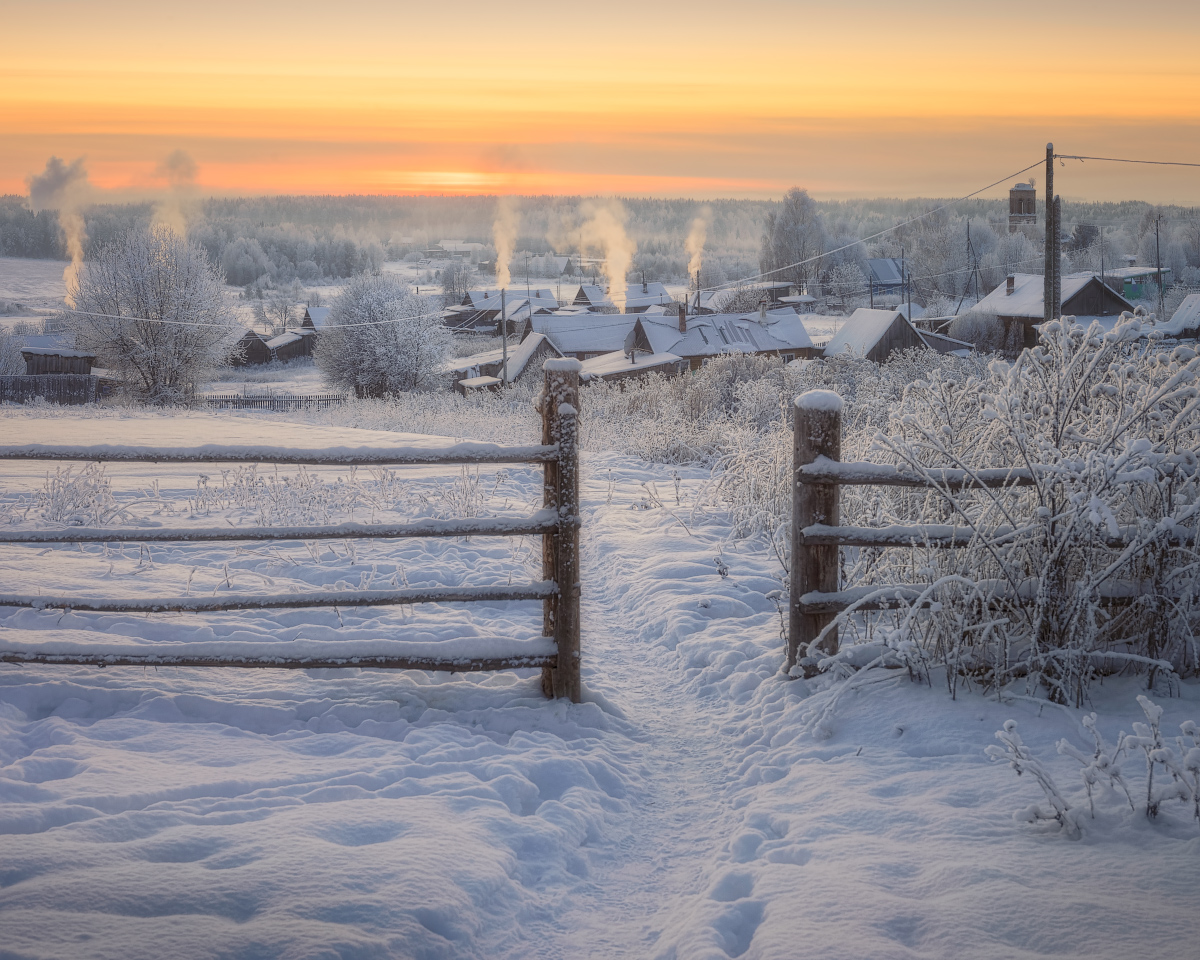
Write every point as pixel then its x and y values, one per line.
pixel 281 402
pixel 557 523
pixel 62 388
pixel 817 534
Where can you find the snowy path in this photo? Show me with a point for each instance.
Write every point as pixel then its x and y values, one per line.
pixel 697 808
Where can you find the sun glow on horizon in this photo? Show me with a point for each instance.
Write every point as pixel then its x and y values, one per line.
pixel 693 102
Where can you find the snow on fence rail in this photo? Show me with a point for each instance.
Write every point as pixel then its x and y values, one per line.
pixel 556 650
pixel 817 534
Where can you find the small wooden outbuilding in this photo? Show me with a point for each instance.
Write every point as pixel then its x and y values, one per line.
pixel 874 334
pixel 252 350
pixel 40 361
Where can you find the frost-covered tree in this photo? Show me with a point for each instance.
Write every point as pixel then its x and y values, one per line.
pixel 383 339
pixel 152 308
pixel 456 281
pixel 12 364
pixel 792 234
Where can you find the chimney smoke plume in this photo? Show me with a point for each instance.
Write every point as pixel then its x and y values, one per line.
pixel 606 229
pixel 695 240
pixel 504 235
pixel 64 187
pixel 179 170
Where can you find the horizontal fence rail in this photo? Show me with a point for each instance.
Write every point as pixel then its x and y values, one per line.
pixel 541 590
pixel 542 522
pixel 557 650
pixel 945 535
pixel 454 455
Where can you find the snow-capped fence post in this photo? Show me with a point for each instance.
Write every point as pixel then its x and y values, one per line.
pixel 817 432
pixel 560 549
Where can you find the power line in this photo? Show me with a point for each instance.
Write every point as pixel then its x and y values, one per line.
pixel 1157 163
pixel 847 246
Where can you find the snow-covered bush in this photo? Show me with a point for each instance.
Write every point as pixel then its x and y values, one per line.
pixel 152 308
pixel 12 364
pixel 382 339
pixel 1091 569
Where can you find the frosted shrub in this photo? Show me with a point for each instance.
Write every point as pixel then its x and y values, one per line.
pixel 77 497
pixel 1172 768
pixel 1109 423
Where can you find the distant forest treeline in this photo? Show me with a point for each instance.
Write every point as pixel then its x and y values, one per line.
pixel 281 239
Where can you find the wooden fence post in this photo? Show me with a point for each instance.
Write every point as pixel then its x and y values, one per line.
pixel 560 549
pixel 817 432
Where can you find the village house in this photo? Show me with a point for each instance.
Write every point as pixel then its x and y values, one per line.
pixel 874 335
pixel 1134 283
pixel 885 276
pixel 480 309
pixel 291 345
pixel 487 370
pixel 40 361
pixel 639 297
pixel 1022 206
pixel 1019 302
pixel 252 350
pixel 586 335
pixel 315 318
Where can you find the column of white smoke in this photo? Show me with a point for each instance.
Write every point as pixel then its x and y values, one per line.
pixel 504 236
pixel 64 187
pixel 695 240
pixel 606 228
pixel 179 170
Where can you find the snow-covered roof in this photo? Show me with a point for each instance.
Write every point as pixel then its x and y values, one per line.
pixel 479 383
pixel 886 270
pixel 520 355
pixel 1185 320
pixel 711 334
pixel 862 331
pixel 318 315
pixel 284 338
pixel 618 362
pixel 490 299
pixel 1027 299
pixel 639 295
pixel 1133 273
pixel 57 352
pixel 587 333
pixel 591 294
pixel 917 311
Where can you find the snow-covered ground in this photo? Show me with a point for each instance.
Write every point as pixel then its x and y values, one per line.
pixel 697 806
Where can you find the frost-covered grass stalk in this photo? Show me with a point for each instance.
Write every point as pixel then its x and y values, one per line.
pixel 1092 569
pixel 1172 768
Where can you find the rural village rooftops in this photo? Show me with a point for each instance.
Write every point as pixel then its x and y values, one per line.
pixel 618 363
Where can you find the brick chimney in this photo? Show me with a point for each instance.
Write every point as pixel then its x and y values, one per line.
pixel 683 318
pixel 1011 287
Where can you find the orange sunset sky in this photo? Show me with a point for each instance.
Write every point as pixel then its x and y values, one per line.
pixel 737 99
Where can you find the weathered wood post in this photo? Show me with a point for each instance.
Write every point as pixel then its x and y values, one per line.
pixel 817 432
pixel 560 549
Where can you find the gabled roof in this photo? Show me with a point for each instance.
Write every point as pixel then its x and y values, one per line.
pixel 318 316
pixel 638 295
pixel 1028 297
pixel 587 333
pixel 886 270
pixel 861 333
pixel 592 295
pixel 490 299
pixel 711 334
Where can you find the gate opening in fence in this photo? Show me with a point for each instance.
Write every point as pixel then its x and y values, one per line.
pixel 556 651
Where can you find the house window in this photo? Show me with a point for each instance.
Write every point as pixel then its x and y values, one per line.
pixel 788 358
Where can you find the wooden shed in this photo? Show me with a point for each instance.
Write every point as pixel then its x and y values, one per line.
pixel 874 334
pixel 252 350
pixel 53 360
pixel 291 345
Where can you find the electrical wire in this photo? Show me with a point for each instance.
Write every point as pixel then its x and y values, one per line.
pixel 1157 163
pixel 847 246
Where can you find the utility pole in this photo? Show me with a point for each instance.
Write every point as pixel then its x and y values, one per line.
pixel 1162 307
pixel 1051 243
pixel 504 338
pixel 1056 291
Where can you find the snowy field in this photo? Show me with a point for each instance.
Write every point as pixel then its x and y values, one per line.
pixel 696 806
pixel 33 283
